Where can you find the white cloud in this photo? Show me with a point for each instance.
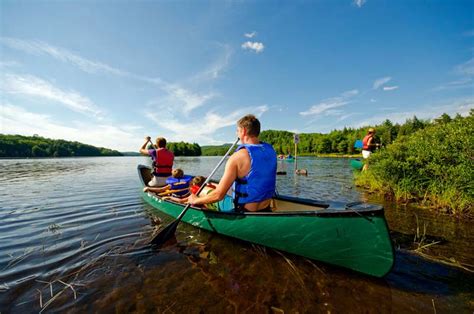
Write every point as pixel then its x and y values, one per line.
pixel 461 83
pixel 345 116
pixel 389 88
pixel 381 81
pixel 215 70
pixel 256 46
pixel 181 130
pixel 250 35
pixel 359 3
pixel 35 87
pixel 39 47
pixel 327 106
pixel 464 73
pixel 461 106
pixel 17 120
pixel 466 68
pixel 6 64
pixel 184 99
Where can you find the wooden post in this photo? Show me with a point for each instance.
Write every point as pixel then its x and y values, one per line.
pixel 296 160
pixel 296 140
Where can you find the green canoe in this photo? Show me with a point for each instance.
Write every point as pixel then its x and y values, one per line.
pixel 353 235
pixel 357 164
pixel 286 159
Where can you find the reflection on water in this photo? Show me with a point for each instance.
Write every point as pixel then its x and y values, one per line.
pixel 74 232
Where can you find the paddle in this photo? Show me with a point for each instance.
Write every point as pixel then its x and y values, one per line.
pixel 169 231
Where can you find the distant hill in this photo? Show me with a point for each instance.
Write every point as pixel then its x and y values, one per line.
pixel 37 146
pixel 130 154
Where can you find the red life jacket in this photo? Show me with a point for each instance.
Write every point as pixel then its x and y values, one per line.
pixel 163 162
pixel 365 142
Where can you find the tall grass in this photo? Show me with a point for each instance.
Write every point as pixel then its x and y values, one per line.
pixel 433 166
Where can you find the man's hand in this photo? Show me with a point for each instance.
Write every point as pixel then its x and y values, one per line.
pixel 192 199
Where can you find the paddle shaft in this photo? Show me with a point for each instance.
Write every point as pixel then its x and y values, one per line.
pixel 166 233
pixel 152 145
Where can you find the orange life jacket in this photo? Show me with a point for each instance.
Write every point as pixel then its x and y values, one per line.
pixel 365 142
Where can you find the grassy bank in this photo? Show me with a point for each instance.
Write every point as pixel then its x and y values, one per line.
pixel 433 166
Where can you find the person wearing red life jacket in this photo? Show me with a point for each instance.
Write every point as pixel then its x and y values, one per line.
pixel 368 146
pixel 162 161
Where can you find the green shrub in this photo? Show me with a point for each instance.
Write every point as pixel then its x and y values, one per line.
pixel 433 165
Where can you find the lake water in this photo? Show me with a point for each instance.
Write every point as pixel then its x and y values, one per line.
pixel 74 234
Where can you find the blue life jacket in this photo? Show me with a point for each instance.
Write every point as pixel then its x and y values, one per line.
pixel 179 184
pixel 259 184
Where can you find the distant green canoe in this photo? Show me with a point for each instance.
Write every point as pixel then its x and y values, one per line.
pixel 357 164
pixel 353 236
pixel 290 159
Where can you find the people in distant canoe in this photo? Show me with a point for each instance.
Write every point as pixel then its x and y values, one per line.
pixel 368 146
pixel 162 161
pixel 251 170
pixel 225 205
pixel 177 185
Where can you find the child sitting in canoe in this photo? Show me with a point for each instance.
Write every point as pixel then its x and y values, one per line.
pixel 225 205
pixel 177 185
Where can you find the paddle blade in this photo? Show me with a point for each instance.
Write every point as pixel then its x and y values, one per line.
pixel 166 234
pixel 281 173
pixel 358 144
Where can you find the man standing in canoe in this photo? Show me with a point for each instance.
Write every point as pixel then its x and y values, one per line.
pixel 251 170
pixel 368 146
pixel 162 161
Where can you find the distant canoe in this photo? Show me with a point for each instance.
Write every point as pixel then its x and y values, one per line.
pixel 357 164
pixel 353 235
pixel 286 159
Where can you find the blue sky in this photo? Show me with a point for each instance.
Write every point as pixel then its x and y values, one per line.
pixel 108 73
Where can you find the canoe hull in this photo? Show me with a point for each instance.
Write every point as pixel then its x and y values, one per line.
pixel 352 242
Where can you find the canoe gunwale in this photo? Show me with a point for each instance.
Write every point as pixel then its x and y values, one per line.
pixel 307 213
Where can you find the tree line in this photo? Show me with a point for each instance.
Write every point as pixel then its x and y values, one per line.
pixel 37 146
pixel 342 141
pixel 184 149
pixel 335 142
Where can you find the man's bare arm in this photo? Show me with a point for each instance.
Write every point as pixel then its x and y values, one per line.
pixel 230 174
pixel 143 149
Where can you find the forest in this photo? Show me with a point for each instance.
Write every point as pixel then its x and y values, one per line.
pixel 339 142
pixel 36 146
pixel 184 149
pixel 342 141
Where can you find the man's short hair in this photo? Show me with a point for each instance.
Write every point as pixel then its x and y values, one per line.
pixel 251 124
pixel 161 142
